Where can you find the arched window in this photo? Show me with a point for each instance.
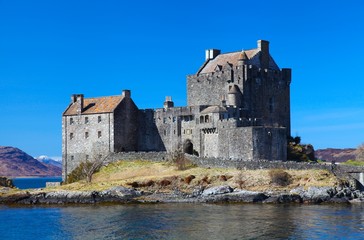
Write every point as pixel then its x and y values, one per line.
pixel 201 119
pixel 207 118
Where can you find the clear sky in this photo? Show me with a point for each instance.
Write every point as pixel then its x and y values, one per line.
pixel 52 49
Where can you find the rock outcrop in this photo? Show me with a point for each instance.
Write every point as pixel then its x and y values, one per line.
pixel 6 182
pixel 220 194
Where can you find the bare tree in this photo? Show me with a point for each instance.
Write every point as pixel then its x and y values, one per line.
pixel 359 153
pixel 178 158
pixel 91 167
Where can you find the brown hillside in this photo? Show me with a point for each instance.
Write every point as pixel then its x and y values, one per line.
pixel 14 163
pixel 335 154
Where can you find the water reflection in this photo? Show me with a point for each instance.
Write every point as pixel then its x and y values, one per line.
pixel 204 221
pixel 183 221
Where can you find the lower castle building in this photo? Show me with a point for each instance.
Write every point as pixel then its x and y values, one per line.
pixel 238 107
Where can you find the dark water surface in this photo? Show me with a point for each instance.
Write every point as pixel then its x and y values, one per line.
pixel 183 221
pixel 34 182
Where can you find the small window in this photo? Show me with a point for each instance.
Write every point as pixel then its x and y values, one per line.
pixel 72 158
pixel 165 132
pixel 100 156
pixel 71 121
pixel 71 135
pixel 271 104
pixel 87 157
pixel 164 120
pixel 86 120
pixel 99 134
pixel 174 119
pixel 86 134
pixel 99 119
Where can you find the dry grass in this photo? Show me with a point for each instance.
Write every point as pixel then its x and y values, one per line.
pixel 161 176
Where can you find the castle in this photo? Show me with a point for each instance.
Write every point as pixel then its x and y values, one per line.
pixel 238 107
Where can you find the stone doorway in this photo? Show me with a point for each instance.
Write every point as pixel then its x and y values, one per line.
pixel 188 147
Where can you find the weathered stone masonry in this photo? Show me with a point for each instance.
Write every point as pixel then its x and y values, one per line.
pixel 238 108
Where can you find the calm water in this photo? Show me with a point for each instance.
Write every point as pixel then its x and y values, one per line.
pixel 34 182
pixel 181 221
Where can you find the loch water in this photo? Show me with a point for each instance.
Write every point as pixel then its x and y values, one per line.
pixel 34 182
pixel 181 221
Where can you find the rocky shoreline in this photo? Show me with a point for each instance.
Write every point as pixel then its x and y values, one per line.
pixel 220 194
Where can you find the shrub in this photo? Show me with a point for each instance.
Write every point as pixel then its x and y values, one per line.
pixel 240 180
pixel 189 178
pixel 77 174
pixel 223 178
pixel 164 183
pixel 280 177
pixel 148 183
pixel 133 184
pixel 204 180
pixel 178 158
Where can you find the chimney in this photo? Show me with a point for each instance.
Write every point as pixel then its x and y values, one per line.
pixel 211 54
pixel 168 103
pixel 78 100
pixel 263 46
pixel 73 98
pixel 126 93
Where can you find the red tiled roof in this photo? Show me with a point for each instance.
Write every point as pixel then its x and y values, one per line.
pixel 95 105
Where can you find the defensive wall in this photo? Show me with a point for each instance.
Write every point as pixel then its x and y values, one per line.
pixel 231 163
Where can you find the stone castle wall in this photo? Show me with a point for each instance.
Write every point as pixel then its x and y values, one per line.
pixel 231 163
pixel 86 137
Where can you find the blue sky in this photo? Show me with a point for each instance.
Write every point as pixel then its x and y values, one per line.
pixel 52 49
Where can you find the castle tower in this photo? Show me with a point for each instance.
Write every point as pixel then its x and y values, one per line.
pixel 234 96
pixel 243 59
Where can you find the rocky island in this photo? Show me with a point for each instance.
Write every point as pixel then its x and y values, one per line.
pixel 160 182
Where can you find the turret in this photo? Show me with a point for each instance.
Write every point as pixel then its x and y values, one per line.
pixel 243 59
pixel 234 96
pixel 168 103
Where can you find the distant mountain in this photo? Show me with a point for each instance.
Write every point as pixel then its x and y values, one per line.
pixel 335 154
pixel 49 161
pixel 15 163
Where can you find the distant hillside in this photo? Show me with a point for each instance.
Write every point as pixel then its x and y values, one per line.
pixel 49 161
pixel 335 154
pixel 15 163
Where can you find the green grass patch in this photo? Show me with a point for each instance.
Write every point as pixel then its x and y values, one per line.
pixel 354 163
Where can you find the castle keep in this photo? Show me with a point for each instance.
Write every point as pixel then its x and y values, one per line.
pixel 238 107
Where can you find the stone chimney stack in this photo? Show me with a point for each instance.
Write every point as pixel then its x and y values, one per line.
pixel 126 94
pixel 78 100
pixel 263 46
pixel 168 103
pixel 211 54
